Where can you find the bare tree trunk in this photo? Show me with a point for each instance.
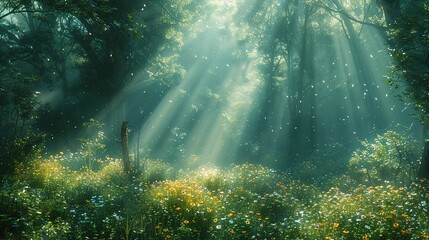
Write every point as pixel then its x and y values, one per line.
pixel 125 153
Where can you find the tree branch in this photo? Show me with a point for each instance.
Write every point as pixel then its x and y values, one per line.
pixel 23 11
pixel 345 14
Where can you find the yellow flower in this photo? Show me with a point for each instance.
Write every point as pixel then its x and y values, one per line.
pixel 328 238
pixel 215 220
pixel 178 208
pixel 165 229
pixel 365 237
pixel 346 232
pixel 336 225
pixel 61 153
pixel 186 222
pixel 247 222
pixel 395 225
pixel 209 209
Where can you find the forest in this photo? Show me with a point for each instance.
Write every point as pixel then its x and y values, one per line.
pixel 214 119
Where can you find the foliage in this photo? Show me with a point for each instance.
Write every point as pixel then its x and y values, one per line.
pixel 19 152
pixel 157 170
pixel 379 212
pixel 409 41
pixel 94 146
pixel 19 141
pixel 181 209
pixel 390 157
pixel 323 165
pixel 48 200
pixel 83 54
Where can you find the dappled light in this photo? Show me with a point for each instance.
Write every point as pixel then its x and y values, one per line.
pixel 277 119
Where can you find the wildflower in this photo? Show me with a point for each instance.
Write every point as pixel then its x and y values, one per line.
pixel 336 225
pixel 328 238
pixel 165 229
pixel 186 222
pixel 178 208
pixel 215 220
pixel 247 222
pixel 346 232
pixel 381 212
pixel 209 209
pixel 395 225
pixel 365 237
pixel 61 153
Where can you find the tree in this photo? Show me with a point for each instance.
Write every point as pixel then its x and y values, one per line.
pixel 409 42
pixel 18 99
pixel 405 28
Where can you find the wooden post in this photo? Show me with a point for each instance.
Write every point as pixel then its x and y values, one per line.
pixel 125 153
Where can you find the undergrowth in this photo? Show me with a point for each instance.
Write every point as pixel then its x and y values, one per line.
pixel 48 199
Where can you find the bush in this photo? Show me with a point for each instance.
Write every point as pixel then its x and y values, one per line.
pixel 183 210
pixel 390 157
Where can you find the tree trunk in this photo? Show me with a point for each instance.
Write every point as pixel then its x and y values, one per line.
pixel 125 153
pixel 424 167
pixel 365 76
pixel 298 147
pixel 418 56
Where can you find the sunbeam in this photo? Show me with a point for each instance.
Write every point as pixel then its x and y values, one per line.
pixel 214 119
pixel 239 101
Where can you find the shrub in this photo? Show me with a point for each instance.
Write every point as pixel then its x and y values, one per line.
pixel 390 157
pixel 93 146
pixel 183 210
